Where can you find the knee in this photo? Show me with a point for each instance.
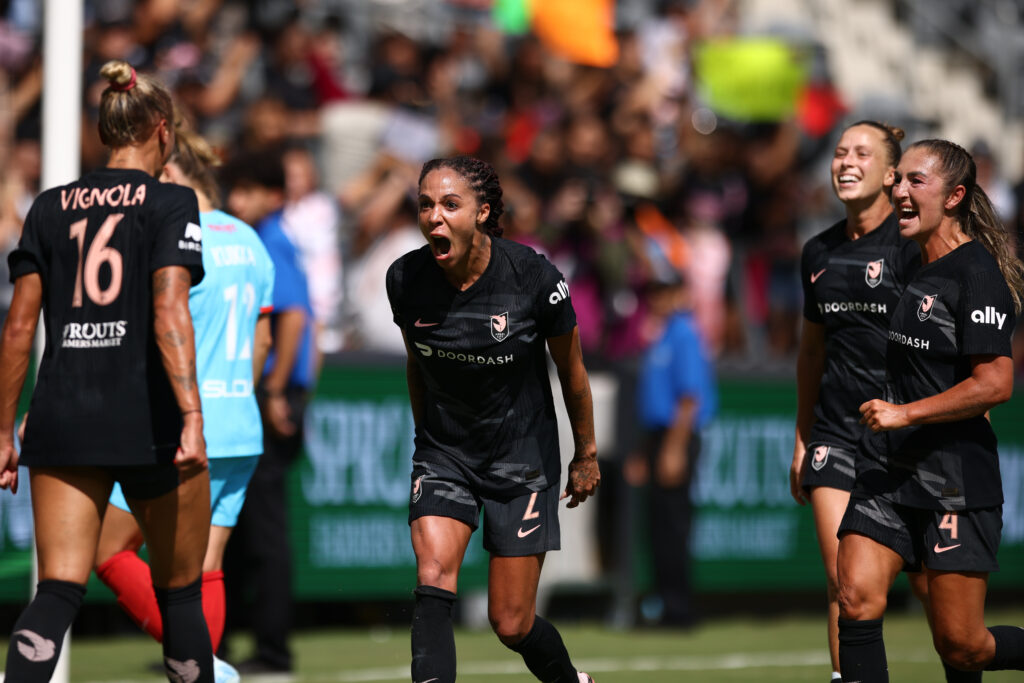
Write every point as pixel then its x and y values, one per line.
pixel 962 651
pixel 859 604
pixel 433 572
pixel 509 624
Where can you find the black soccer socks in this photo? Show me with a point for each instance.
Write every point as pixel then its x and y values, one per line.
pixel 545 654
pixel 958 676
pixel 1009 648
pixel 433 636
pixel 188 655
pixel 862 651
pixel 39 632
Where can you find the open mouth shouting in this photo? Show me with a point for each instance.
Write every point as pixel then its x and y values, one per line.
pixel 906 215
pixel 442 246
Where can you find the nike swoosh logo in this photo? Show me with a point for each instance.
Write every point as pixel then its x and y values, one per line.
pixel 420 323
pixel 430 679
pixel 940 549
pixel 524 534
pixel 815 276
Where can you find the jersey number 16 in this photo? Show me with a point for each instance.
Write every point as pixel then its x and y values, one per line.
pixel 98 254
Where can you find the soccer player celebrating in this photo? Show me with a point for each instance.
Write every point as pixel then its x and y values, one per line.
pixel 928 495
pixel 109 260
pixel 230 314
pixel 853 274
pixel 476 312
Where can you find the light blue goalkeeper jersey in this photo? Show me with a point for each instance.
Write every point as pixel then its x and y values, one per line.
pixel 238 287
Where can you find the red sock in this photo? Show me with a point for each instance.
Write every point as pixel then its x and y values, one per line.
pixel 128 576
pixel 213 605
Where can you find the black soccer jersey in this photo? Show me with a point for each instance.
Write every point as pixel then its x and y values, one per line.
pixel 482 355
pixel 956 307
pixel 852 287
pixel 102 396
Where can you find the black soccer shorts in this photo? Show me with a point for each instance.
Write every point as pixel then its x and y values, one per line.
pixel 829 466
pixel 145 482
pixel 520 524
pixel 948 541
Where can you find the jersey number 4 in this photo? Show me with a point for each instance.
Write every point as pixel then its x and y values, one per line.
pixel 88 273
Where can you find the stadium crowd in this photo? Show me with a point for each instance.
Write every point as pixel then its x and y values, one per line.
pixel 602 165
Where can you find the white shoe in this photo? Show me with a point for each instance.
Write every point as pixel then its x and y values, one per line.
pixel 222 672
pixel 584 678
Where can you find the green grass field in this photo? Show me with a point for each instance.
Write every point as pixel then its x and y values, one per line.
pixel 770 650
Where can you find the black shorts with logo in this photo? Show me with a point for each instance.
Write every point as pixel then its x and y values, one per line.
pixel 948 541
pixel 829 466
pixel 515 525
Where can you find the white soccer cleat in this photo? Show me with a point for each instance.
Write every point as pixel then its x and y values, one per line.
pixel 584 678
pixel 223 672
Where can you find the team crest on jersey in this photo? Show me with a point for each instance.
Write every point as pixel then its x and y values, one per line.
pixel 873 273
pixel 417 489
pixel 924 309
pixel 820 457
pixel 499 326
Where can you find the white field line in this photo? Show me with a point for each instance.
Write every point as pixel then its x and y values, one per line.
pixel 732 661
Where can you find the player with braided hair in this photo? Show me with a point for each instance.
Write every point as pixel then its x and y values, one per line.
pixel 476 312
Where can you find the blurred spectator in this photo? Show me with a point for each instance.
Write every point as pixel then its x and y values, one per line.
pixel 990 179
pixel 259 552
pixel 676 398
pixel 312 222
pixel 384 229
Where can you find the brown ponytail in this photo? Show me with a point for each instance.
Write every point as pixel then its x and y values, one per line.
pixel 131 106
pixel 977 217
pixel 196 159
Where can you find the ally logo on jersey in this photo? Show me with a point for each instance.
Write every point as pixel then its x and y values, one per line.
pixel 988 316
pixel 560 294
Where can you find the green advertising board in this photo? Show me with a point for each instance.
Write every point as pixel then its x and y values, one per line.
pixel 349 493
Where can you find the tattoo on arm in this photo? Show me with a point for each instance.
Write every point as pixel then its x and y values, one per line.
pixel 161 281
pixel 174 338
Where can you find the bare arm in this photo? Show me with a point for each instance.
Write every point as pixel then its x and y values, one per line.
pixel 288 330
pixel 175 338
pixel 15 352
pixel 584 473
pixel 673 459
pixel 990 383
pixel 261 342
pixel 810 366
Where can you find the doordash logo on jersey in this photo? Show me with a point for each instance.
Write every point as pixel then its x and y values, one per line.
pixel 989 316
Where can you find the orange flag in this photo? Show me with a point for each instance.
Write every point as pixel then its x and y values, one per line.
pixel 581 31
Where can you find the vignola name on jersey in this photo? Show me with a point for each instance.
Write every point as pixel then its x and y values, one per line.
pixel 94 335
pixel 118 195
pixel 429 351
pixel 852 306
